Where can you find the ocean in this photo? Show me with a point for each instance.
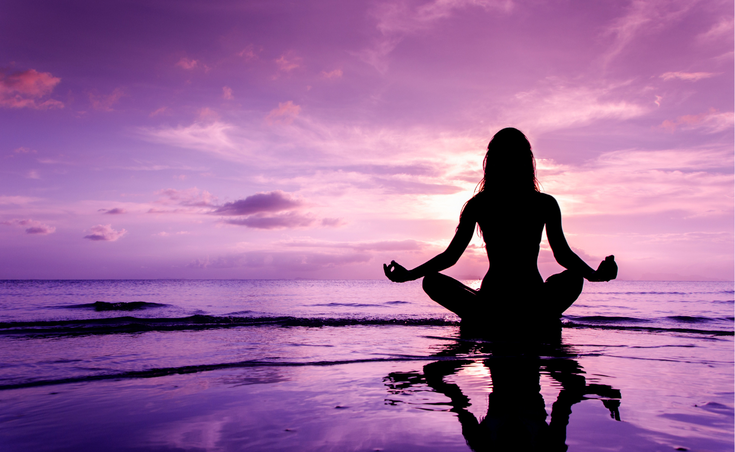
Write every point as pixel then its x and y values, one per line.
pixel 358 365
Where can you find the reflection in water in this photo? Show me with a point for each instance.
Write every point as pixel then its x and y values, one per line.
pixel 516 417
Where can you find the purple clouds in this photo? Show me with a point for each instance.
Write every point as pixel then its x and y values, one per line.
pixel 191 197
pixel 104 233
pixel 31 227
pixel 271 210
pixel 274 201
pixel 114 211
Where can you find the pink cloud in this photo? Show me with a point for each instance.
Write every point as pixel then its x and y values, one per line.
pixel 104 233
pixel 284 114
pixel 383 245
pixel 283 261
pixel 160 111
pixel 206 114
pixel 191 197
pixel 404 187
pixel 332 222
pixel 248 53
pixel 187 63
pixel 332 75
pixel 688 76
pixel 25 89
pixel 722 29
pixel 114 211
pixel 712 121
pixel 227 93
pixel 288 62
pixel 24 150
pixel 102 102
pixel 31 227
pixel 287 220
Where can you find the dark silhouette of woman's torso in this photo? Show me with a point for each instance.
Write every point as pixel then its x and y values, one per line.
pixel 512 227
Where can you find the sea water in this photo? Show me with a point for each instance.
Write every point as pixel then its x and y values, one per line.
pixel 655 358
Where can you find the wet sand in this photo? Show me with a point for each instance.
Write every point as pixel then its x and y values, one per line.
pixel 664 393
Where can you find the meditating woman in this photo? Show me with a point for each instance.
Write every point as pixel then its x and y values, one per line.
pixel 512 214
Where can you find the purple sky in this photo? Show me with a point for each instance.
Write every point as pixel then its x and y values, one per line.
pixel 296 139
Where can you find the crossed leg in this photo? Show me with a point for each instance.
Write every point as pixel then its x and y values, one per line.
pixel 556 296
pixel 561 291
pixel 452 294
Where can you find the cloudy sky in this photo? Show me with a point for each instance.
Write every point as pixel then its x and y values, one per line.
pixel 319 139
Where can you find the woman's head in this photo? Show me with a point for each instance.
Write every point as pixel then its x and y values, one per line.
pixel 509 165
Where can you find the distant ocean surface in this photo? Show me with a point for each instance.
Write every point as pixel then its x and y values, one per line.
pixel 56 333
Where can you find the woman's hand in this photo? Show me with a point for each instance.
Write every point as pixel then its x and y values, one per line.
pixel 397 273
pixel 607 270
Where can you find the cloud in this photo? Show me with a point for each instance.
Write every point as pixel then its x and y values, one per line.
pixel 408 187
pixel 722 29
pixel 644 16
pixel 283 261
pixel 160 111
pixel 696 182
pixel 102 102
pixel 187 63
pixel 288 62
pixel 248 53
pixel 104 233
pixel 333 222
pixel 559 104
pixel 167 234
pixel 414 169
pixel 31 227
pixel 275 201
pixel 399 17
pixel 206 114
pixel 688 76
pixel 332 75
pixel 271 210
pixel 191 197
pixel 113 211
pixel 257 211
pixel 396 19
pixel 17 200
pixel 381 245
pixel 710 122
pixel 210 137
pixel 25 89
pixel 32 174
pixel 24 150
pixel 288 220
pixel 227 93
pixel 284 114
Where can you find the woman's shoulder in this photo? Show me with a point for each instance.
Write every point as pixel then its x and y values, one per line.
pixel 472 206
pixel 547 204
pixel 545 198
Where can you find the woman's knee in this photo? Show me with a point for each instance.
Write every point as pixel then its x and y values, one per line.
pixel 432 284
pixel 568 281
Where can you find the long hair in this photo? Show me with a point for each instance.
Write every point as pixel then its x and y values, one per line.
pixel 509 166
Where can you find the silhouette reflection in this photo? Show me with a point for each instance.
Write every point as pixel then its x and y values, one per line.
pixel 516 417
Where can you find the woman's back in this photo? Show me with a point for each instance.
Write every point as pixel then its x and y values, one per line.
pixel 511 227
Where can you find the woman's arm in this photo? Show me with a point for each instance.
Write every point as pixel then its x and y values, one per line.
pixel 397 273
pixel 563 253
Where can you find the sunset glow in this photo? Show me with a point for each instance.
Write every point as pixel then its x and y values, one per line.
pixel 255 139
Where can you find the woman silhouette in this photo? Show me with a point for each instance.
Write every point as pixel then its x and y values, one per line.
pixel 512 214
